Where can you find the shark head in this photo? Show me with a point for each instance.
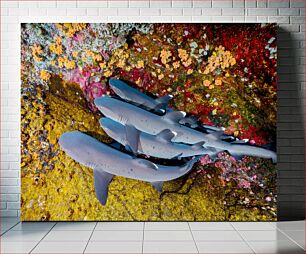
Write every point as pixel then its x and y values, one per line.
pixel 118 87
pixel 114 129
pixel 78 146
pixel 112 108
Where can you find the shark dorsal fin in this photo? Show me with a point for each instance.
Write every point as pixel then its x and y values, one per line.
pixel 164 100
pixel 198 145
pixel 146 163
pixel 165 135
pixel 215 135
pixel 174 116
pixel 101 182
pixel 132 137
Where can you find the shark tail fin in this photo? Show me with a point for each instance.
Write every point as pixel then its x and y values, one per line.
pixel 101 182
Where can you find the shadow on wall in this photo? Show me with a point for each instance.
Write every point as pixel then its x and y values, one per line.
pixel 290 130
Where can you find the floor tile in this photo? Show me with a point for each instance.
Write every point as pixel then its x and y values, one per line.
pixel 296 235
pixel 63 226
pixel 5 226
pixel 273 235
pixel 253 225
pixel 291 225
pixel 167 236
pixel 107 236
pixel 17 247
pixel 223 247
pixel 166 226
pixel 276 247
pixel 33 226
pixel 211 226
pixel 114 247
pixel 216 236
pixel 69 236
pixel 119 226
pixel 60 247
pixel 22 236
pixel 169 247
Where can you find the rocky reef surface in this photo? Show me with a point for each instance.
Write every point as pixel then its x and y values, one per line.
pixel 56 188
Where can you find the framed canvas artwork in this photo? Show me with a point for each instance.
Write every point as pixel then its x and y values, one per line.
pixel 148 122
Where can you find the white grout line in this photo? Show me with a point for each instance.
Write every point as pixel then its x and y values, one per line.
pixel 93 230
pixel 43 238
pixel 291 238
pixel 10 228
pixel 143 232
pixel 193 238
pixel 247 243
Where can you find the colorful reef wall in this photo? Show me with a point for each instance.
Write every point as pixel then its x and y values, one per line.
pixel 223 74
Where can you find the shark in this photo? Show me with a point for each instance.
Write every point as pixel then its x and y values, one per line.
pixel 132 95
pixel 128 114
pixel 159 105
pixel 159 145
pixel 107 162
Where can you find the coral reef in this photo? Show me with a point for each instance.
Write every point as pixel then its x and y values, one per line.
pixel 212 72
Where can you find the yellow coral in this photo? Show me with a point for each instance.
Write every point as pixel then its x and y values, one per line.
pixel 183 54
pixel 164 55
pixel 36 51
pixel 206 82
pixel 69 29
pixel 220 59
pixel 140 64
pixel 176 64
pixel 44 75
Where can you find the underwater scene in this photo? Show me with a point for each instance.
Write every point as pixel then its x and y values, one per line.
pixel 148 122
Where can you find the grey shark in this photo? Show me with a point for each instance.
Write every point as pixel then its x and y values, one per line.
pixel 128 114
pixel 159 145
pixel 159 105
pixel 107 162
pixel 130 94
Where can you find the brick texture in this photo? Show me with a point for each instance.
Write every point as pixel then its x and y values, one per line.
pixel 290 14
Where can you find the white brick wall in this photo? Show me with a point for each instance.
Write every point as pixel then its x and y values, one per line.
pixel 289 13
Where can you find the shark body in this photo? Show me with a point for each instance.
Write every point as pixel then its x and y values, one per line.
pixel 132 95
pixel 107 162
pixel 128 114
pixel 159 145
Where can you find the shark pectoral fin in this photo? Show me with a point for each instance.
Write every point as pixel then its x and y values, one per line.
pixel 132 137
pixel 102 180
pixel 177 157
pixel 158 186
pixel 166 135
pixel 165 99
pixel 146 163
pixel 174 116
pixel 198 145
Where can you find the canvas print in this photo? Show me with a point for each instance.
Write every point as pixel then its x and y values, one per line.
pixel 148 122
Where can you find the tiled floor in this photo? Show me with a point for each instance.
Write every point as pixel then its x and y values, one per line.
pixel 152 237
